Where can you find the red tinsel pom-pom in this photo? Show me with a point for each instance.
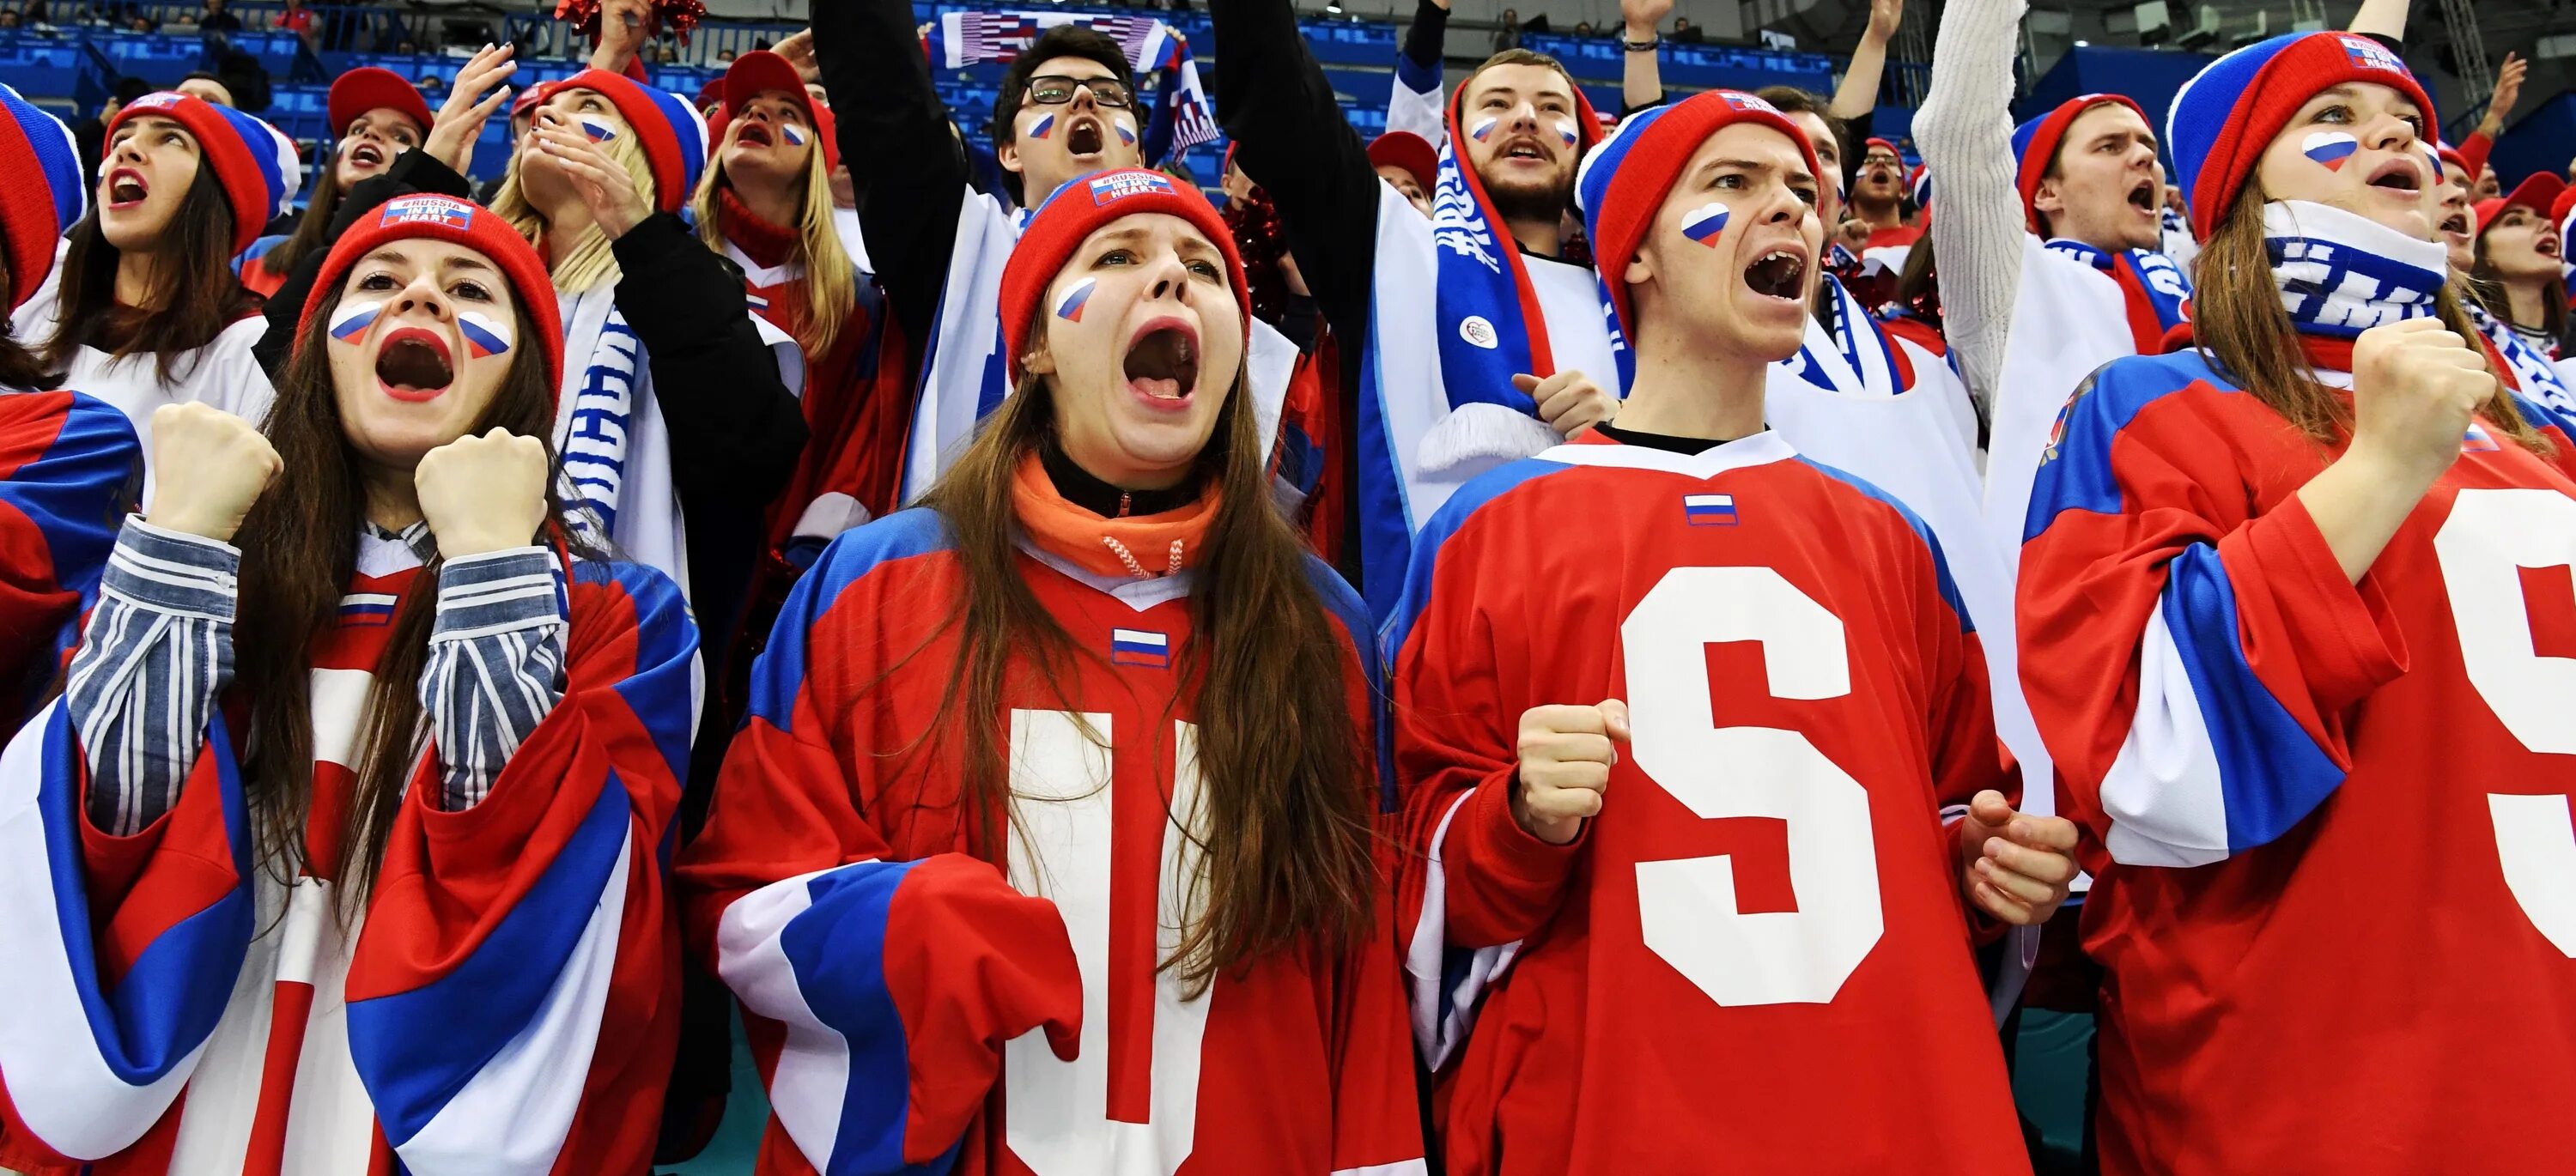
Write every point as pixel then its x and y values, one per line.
pixel 675 16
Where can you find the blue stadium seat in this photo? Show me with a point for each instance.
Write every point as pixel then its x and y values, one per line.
pixel 160 59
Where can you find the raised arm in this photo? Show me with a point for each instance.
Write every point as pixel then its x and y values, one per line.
pixel 1641 77
pixel 909 166
pixel 1857 97
pixel 1965 131
pixel 2382 18
pixel 1291 138
pixel 1414 104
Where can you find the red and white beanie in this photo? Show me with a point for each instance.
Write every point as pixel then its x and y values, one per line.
pixel 2035 144
pixel 2226 115
pixel 673 138
pixel 1078 209
pixel 445 218
pixel 253 161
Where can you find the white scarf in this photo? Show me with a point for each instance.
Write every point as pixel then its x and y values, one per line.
pixel 2342 273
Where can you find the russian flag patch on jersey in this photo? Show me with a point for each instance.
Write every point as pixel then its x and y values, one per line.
pixel 1140 647
pixel 1704 223
pixel 1709 510
pixel 2331 149
pixel 367 608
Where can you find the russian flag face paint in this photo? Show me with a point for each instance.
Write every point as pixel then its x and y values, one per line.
pixel 485 336
pixel 1069 308
pixel 2331 149
pixel 795 135
pixel 1565 132
pixel 1704 223
pixel 1126 136
pixel 351 320
pixel 1045 127
pixel 1482 128
pixel 599 129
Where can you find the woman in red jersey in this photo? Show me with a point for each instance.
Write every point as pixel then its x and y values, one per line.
pixel 1048 839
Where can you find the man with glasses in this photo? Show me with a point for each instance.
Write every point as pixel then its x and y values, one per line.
pixel 1066 108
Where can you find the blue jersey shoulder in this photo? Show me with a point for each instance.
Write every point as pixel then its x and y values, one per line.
pixel 1480 492
pixel 2075 470
pixel 1922 531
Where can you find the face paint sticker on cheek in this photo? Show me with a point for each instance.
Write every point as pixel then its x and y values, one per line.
pixel 795 135
pixel 599 129
pixel 1125 136
pixel 2330 149
pixel 1482 128
pixel 1069 308
pixel 485 336
pixel 1704 223
pixel 1565 132
pixel 1045 127
pixel 352 319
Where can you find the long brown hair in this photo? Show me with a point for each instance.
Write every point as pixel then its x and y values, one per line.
pixel 1288 852
pixel 2487 286
pixel 313 230
pixel 299 546
pixel 2238 319
pixel 194 294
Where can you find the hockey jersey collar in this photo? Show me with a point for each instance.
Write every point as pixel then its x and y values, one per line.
pixel 1592 449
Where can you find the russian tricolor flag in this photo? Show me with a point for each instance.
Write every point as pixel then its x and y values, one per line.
pixel 1565 131
pixel 353 318
pixel 599 129
pixel 1070 310
pixel 2477 440
pixel 1140 647
pixel 1045 127
pixel 485 337
pixel 1126 136
pixel 1709 510
pixel 795 135
pixel 2331 149
pixel 1704 223
pixel 367 608
pixel 1481 129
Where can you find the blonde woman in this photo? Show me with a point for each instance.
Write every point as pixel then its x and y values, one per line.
pixel 678 416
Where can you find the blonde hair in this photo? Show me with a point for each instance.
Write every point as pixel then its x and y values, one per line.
pixel 591 262
pixel 831 280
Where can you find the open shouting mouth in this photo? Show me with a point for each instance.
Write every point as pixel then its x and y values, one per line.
pixel 1162 364
pixel 126 188
pixel 1780 272
pixel 414 364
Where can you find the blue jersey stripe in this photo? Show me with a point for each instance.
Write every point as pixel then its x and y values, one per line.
pixel 2271 773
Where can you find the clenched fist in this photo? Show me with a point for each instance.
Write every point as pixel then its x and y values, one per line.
pixel 208 467
pixel 2414 386
pixel 1566 753
pixel 2019 867
pixel 1569 401
pixel 484 493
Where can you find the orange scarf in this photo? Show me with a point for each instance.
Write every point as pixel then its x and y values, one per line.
pixel 1143 546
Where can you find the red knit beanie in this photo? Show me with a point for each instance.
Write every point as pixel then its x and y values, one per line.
pixel 254 162
pixel 2226 115
pixel 673 137
pixel 2035 145
pixel 1623 181
pixel 446 218
pixel 1077 210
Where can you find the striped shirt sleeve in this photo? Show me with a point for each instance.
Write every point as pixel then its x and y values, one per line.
pixel 496 660
pixel 156 651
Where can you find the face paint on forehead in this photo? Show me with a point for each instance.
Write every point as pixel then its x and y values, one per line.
pixel 1069 308
pixel 485 336
pixel 2330 149
pixel 352 319
pixel 1704 223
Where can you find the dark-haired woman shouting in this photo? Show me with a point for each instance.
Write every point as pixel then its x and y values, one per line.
pixel 1048 842
pixel 339 852
pixel 149 311
pixel 2295 626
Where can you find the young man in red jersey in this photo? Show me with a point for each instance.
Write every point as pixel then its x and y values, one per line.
pixel 1730 876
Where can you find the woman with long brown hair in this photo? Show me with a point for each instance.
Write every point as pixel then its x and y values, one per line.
pixel 2293 617
pixel 1049 837
pixel 149 311
pixel 2518 278
pixel 338 851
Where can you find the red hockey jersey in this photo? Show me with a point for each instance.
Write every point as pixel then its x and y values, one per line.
pixel 1758 955
pixel 913 1004
pixel 2328 823
pixel 69 464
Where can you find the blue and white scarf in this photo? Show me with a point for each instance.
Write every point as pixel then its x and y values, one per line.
pixel 1860 348
pixel 1172 105
pixel 2151 276
pixel 1490 326
pixel 2341 273
pixel 2532 371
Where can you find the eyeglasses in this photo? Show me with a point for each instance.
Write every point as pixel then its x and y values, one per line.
pixel 1057 89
